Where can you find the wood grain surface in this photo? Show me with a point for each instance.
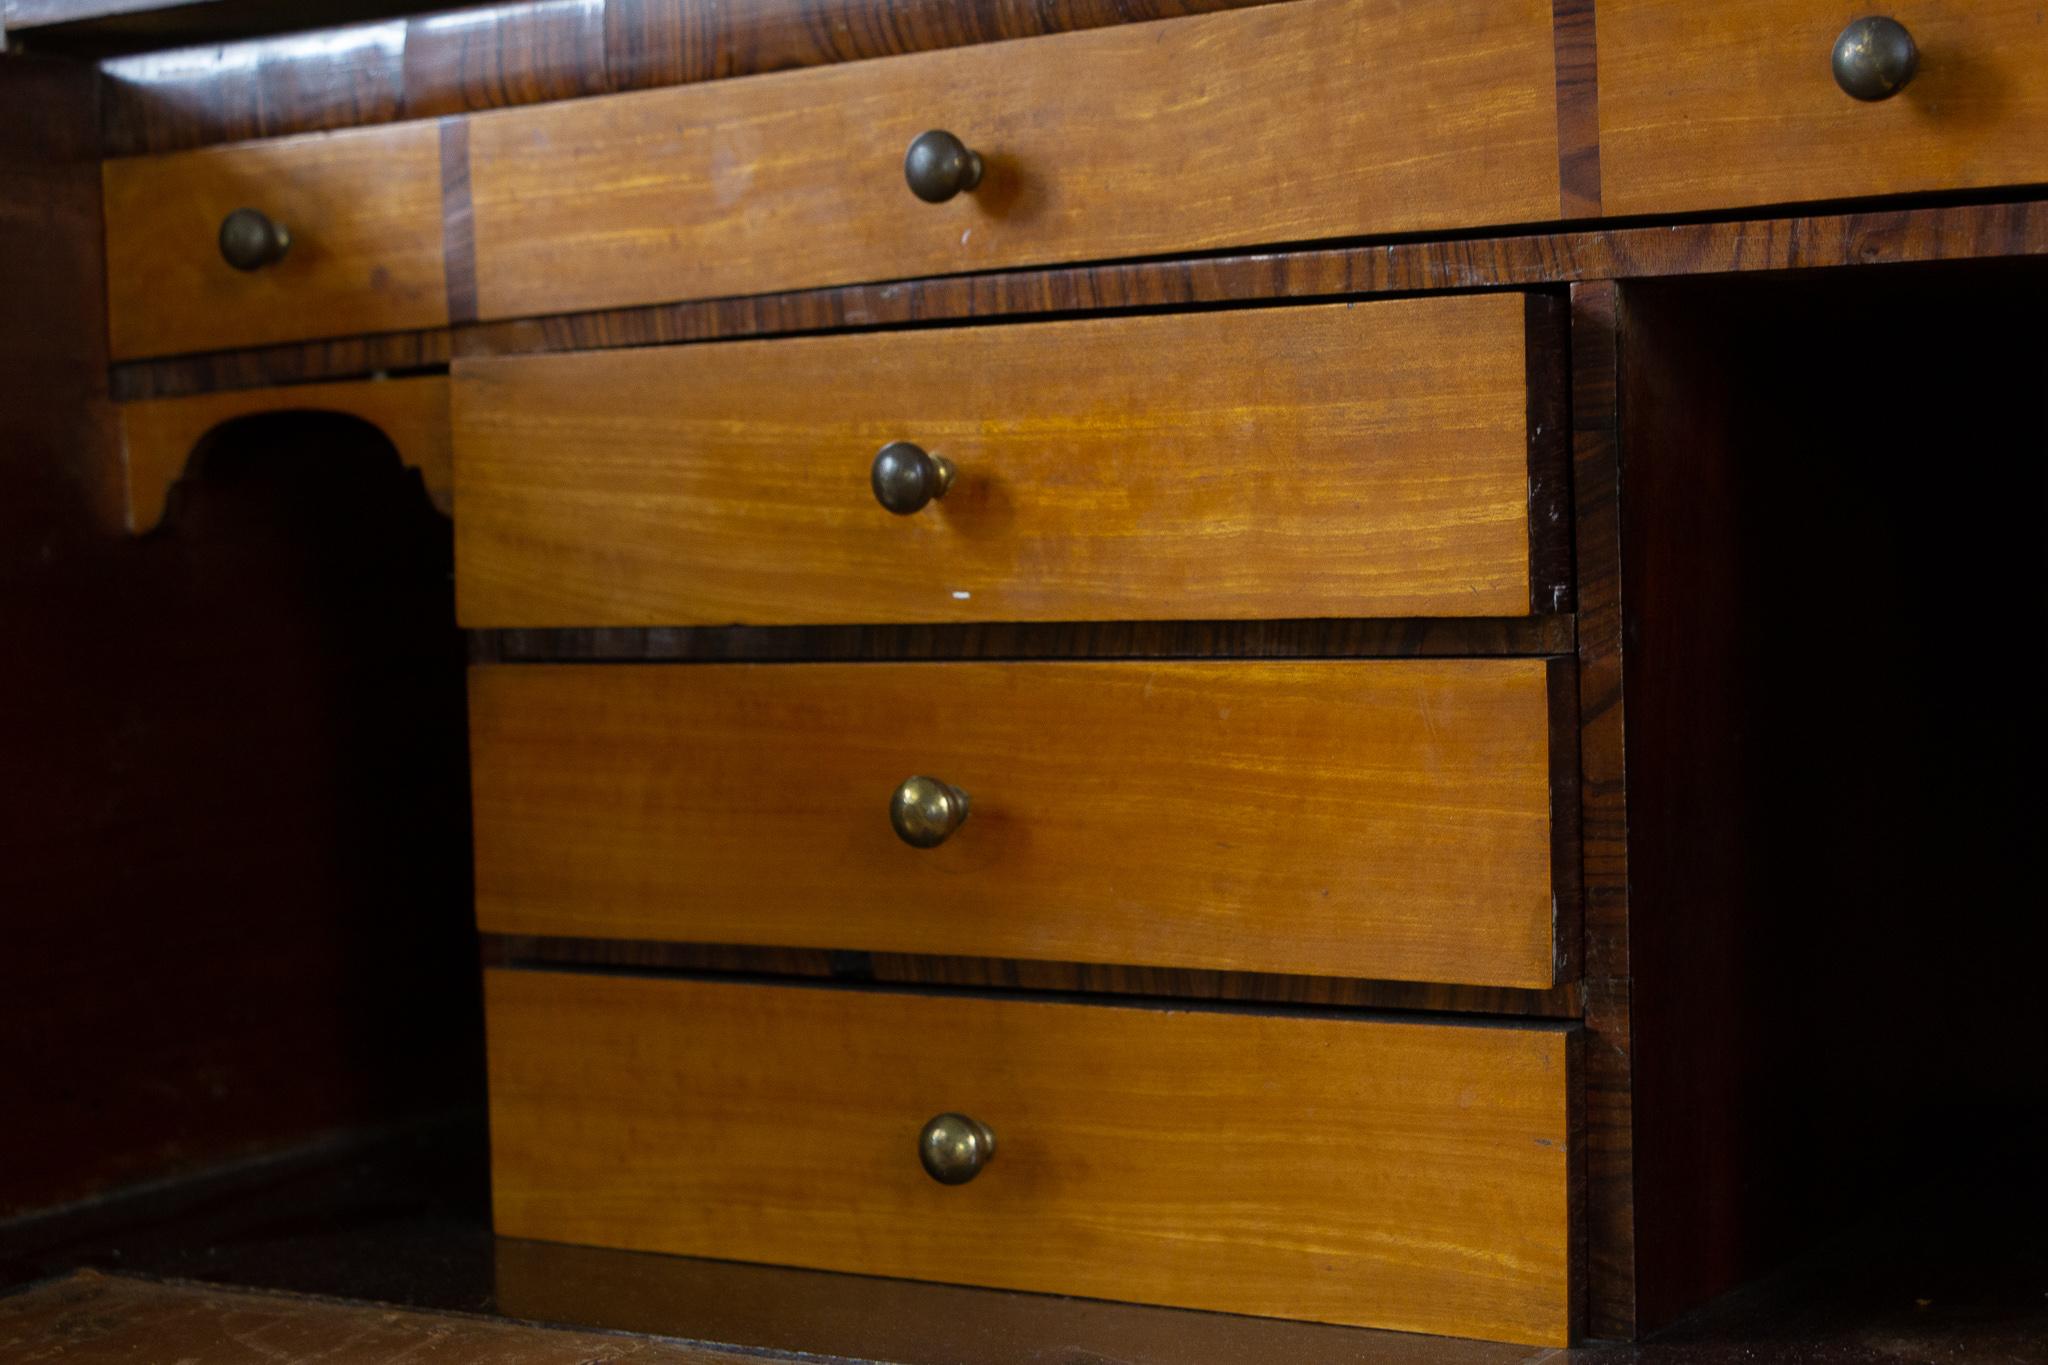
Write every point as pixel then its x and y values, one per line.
pixel 89 1318
pixel 1407 1175
pixel 1733 104
pixel 2018 227
pixel 1386 819
pixel 1346 460
pixel 160 434
pixel 1607 1093
pixel 1320 118
pixel 526 51
pixel 364 212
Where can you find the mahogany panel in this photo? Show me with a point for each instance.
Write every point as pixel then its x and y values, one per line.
pixel 159 435
pixel 1106 469
pixel 1422 1182
pixel 364 213
pixel 487 56
pixel 1321 118
pixel 675 42
pixel 1727 105
pixel 1386 819
pixel 1607 1098
pixel 524 52
pixel 183 97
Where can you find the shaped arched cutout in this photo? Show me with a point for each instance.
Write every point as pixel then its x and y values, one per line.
pixel 164 437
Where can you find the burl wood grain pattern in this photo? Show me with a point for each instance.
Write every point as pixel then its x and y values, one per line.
pixel 364 212
pixel 1386 819
pixel 160 434
pixel 1731 104
pixel 1407 1175
pixel 1287 122
pixel 1368 460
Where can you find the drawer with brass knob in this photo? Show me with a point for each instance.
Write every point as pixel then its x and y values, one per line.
pixel 1411 1174
pixel 1720 106
pixel 1376 459
pixel 1392 819
pixel 1314 119
pixel 328 235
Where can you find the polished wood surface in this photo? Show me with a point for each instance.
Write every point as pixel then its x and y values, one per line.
pixel 1877 237
pixel 527 51
pixel 1407 1175
pixel 1389 819
pixel 1732 104
pixel 1341 460
pixel 364 212
pixel 160 435
pixel 1320 118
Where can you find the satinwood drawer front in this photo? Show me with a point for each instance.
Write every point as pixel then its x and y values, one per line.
pixel 1318 118
pixel 1334 460
pixel 332 235
pixel 1409 1175
pixel 1387 819
pixel 1714 106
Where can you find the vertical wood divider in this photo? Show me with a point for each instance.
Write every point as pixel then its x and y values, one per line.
pixel 1578 108
pixel 458 221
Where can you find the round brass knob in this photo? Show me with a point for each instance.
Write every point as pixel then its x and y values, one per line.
pixel 954 1148
pixel 249 240
pixel 1874 58
pixel 925 811
pixel 905 477
pixel 939 166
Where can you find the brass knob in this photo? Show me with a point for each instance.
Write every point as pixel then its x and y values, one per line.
pixel 1874 58
pixel 939 166
pixel 954 1148
pixel 905 477
pixel 926 811
pixel 249 240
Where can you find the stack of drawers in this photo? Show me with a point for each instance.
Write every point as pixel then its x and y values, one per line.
pixel 1381 819
pixel 1354 813
pixel 1107 772
pixel 1396 819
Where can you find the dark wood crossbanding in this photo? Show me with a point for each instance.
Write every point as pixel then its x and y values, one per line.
pixel 1872 237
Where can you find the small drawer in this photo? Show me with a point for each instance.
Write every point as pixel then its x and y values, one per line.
pixel 1737 103
pixel 1384 819
pixel 1319 118
pixel 360 216
pixel 1408 1175
pixel 1366 460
